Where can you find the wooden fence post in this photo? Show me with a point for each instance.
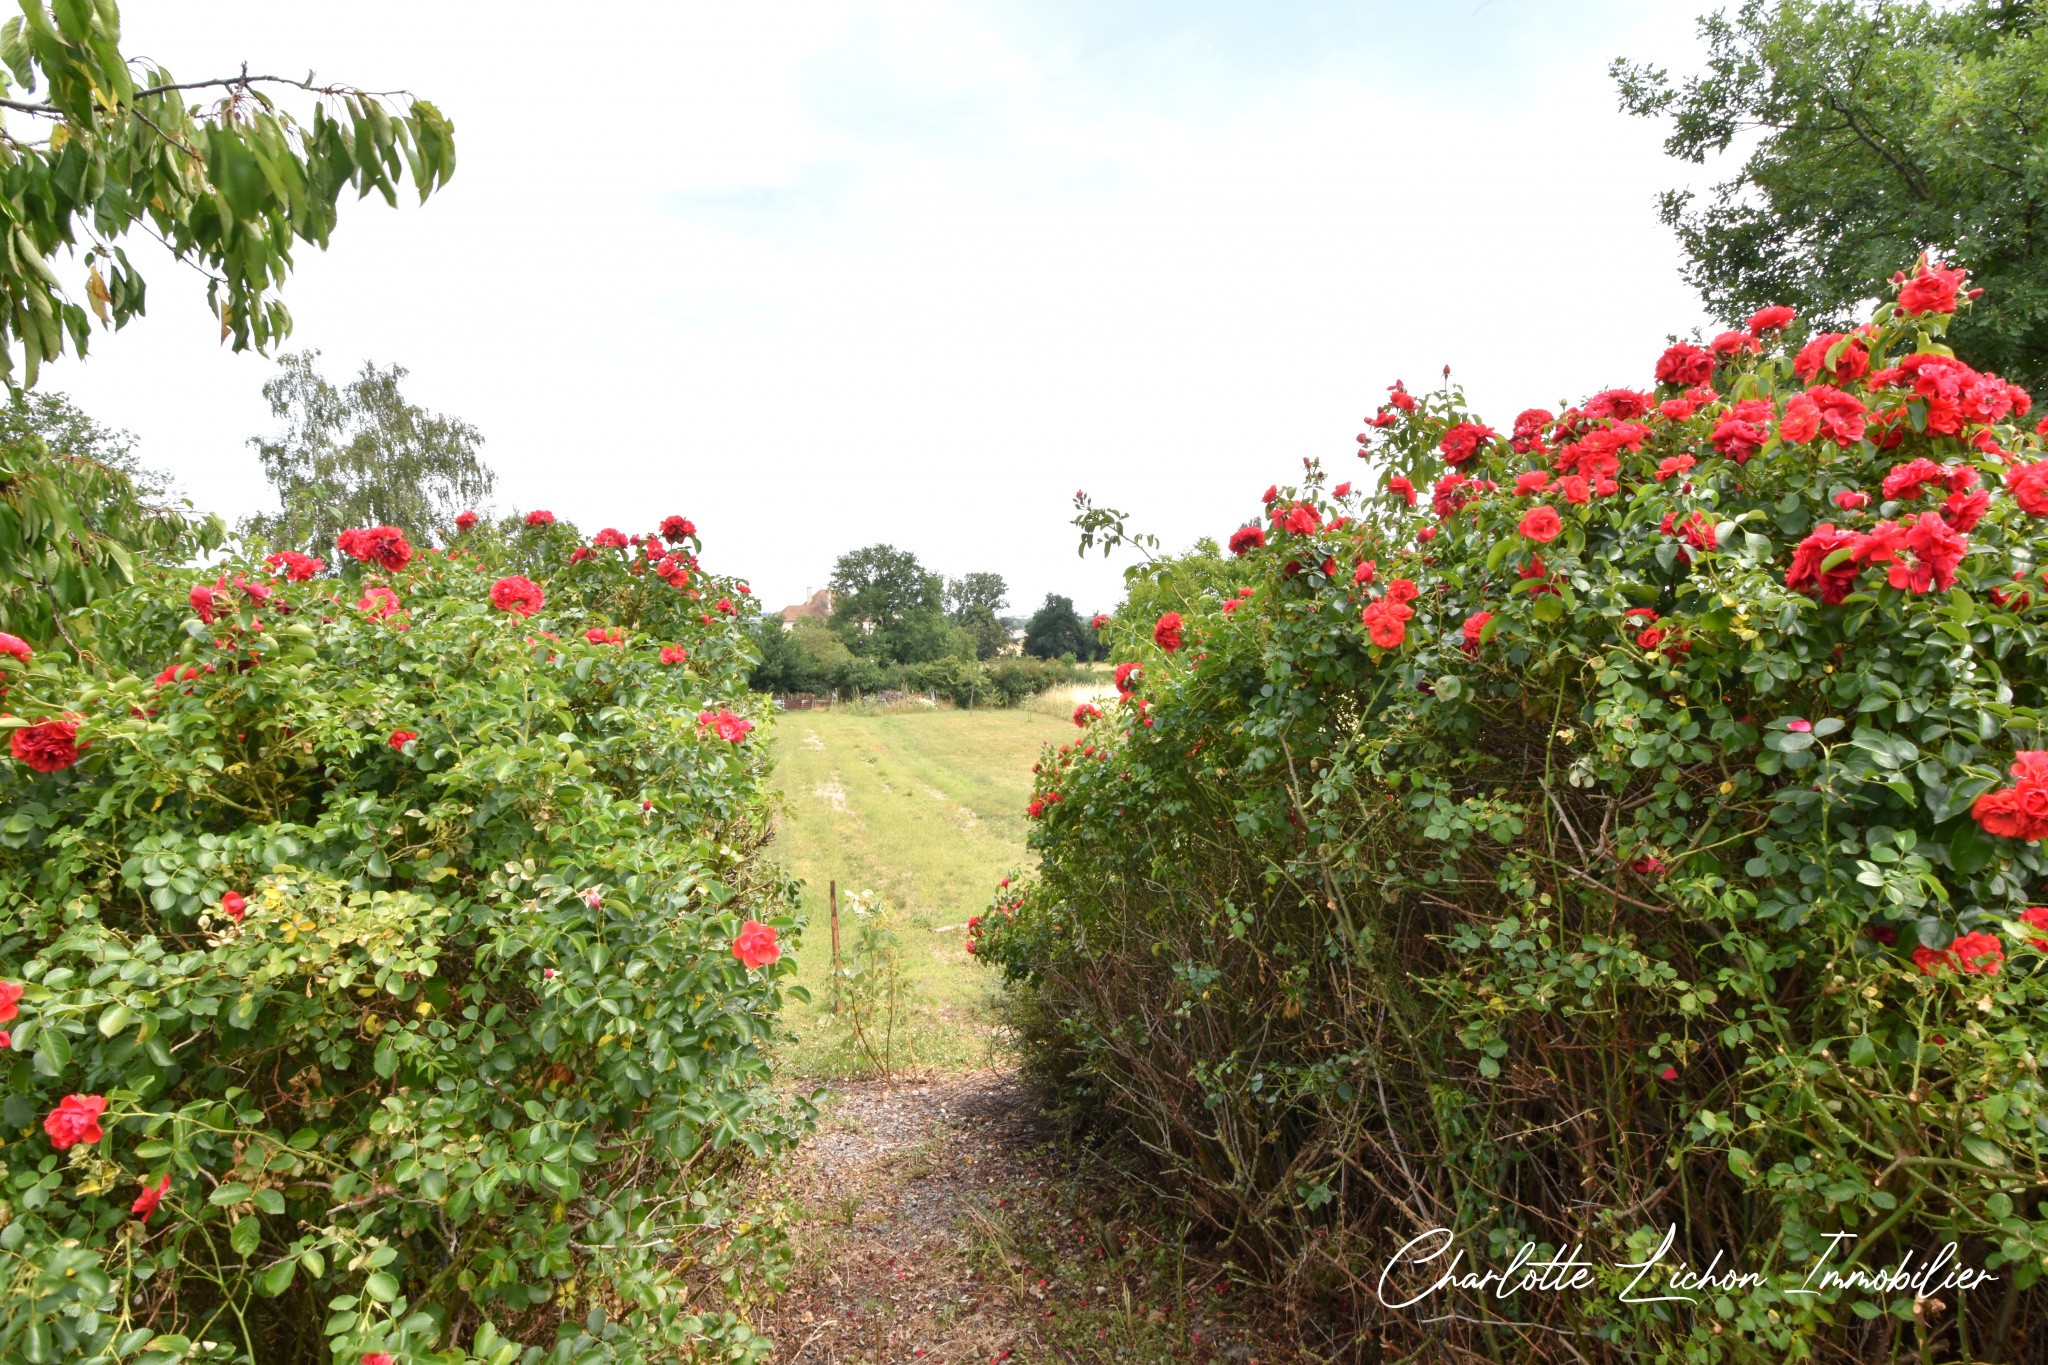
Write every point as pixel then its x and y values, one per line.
pixel 835 945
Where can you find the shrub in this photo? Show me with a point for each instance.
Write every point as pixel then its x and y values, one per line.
pixel 394 918
pixel 1613 841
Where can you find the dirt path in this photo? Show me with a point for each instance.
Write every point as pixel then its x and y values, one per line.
pixel 938 1226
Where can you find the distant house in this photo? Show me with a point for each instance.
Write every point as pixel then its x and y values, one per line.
pixel 818 607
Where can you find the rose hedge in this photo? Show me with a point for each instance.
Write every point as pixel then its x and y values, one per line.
pixel 1629 821
pixel 395 920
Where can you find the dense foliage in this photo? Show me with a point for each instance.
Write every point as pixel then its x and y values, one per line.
pixel 1870 130
pixel 809 658
pixel 362 454
pixel 1057 631
pixel 100 146
pixel 388 961
pixel 1623 824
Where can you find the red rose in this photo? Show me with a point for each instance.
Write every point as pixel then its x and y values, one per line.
pixel 1676 464
pixel 727 726
pixel 1124 674
pixel 1842 415
pixel 152 1195
pixel 1735 343
pixel 2029 486
pixel 1772 319
pixel 1929 960
pixel 756 945
pixel 10 1000
pixel 673 654
pixel 1978 953
pixel 1541 524
pixel 377 1358
pixel 1462 441
pixel 1086 712
pixel 1963 511
pixel 1999 813
pixel 1685 365
pixel 76 1119
pixel 15 647
pixel 384 546
pixel 725 606
pixel 1650 638
pixel 378 602
pixel 48 747
pixel 1852 500
pixel 1801 422
pixel 1812 360
pixel 465 521
pixel 1166 632
pixel 674 529
pixel 2037 917
pixel 401 738
pixel 610 538
pixel 1806 575
pixel 1100 621
pixel 1531 481
pixel 234 906
pixel 540 518
pixel 517 594
pixel 1399 484
pixel 1245 539
pixel 599 635
pixel 1932 290
pixel 201 598
pixel 1475 628
pixel 1386 620
pixel 297 567
pixel 1402 590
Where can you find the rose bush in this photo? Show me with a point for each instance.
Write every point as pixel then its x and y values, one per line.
pixel 390 967
pixel 1642 832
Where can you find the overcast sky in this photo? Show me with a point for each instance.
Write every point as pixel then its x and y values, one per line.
pixel 823 275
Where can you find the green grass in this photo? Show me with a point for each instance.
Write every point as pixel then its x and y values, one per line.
pixel 926 809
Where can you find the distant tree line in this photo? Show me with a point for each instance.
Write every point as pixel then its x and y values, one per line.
pixel 896 625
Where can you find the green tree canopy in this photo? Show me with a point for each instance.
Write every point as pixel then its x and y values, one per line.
pixel 887 606
pixel 1056 629
pixel 111 147
pixel 973 604
pixel 362 455
pixel 1874 130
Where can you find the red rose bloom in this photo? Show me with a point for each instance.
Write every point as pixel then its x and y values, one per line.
pixel 2037 917
pixel 377 1358
pixel 1086 712
pixel 1963 511
pixel 234 906
pixel 10 1000
pixel 1685 365
pixel 540 518
pixel 722 722
pixel 1772 319
pixel 401 738
pixel 1676 464
pixel 756 945
pixel 1401 485
pixel 49 747
pixel 517 594
pixel 1979 953
pixel 599 635
pixel 2029 486
pixel 1806 575
pixel 152 1195
pixel 673 654
pixel 377 602
pixel 465 521
pixel 1801 422
pixel 1245 539
pixel 1462 441
pixel 1852 363
pixel 76 1119
pixel 1932 290
pixel 610 538
pixel 384 546
pixel 1532 481
pixel 1166 632
pixel 674 529
pixel 1386 621
pixel 15 647
pixel 1124 674
pixel 1852 500
pixel 297 567
pixel 1473 629
pixel 1541 524
pixel 1735 343
pixel 201 598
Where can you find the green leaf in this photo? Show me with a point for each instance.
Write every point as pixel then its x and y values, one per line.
pixel 245 1235
pixel 381 1286
pixel 278 1278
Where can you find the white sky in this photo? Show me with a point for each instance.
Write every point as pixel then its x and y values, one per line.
pixel 823 275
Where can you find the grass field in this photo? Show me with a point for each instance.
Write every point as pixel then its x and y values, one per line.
pixel 926 809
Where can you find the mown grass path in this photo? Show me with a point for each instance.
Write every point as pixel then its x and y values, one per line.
pixel 935 1221
pixel 925 808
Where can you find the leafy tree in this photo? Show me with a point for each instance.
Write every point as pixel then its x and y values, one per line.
pixel 362 455
pixel 1056 629
pixel 887 606
pixel 1876 130
pixel 112 147
pixel 973 603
